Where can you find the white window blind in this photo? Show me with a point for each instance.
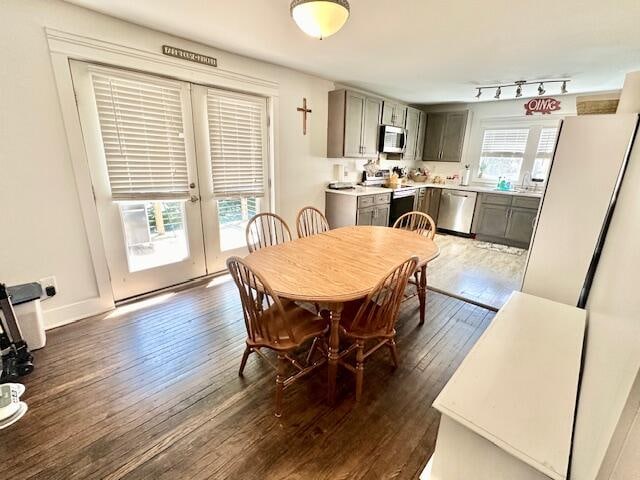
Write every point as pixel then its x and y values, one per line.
pixel 502 153
pixel 237 136
pixel 547 142
pixel 142 129
pixel 505 142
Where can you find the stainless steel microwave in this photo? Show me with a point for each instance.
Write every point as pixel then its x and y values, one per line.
pixel 392 139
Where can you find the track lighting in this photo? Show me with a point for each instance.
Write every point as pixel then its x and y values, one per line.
pixel 519 84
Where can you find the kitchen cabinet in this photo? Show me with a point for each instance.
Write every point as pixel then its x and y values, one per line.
pixel 428 201
pixel 394 114
pixel 506 219
pixel 422 127
pixel 376 216
pixel 520 224
pixel 413 126
pixel 444 136
pixel 492 220
pixel 347 208
pixel 353 122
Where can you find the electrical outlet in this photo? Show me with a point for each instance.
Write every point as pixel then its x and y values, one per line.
pixel 48 282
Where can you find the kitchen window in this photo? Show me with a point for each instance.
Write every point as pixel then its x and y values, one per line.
pixel 502 153
pixel 515 153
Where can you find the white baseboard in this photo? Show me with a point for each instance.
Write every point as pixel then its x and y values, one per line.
pixel 56 317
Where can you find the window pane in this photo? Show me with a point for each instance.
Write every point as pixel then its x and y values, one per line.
pixel 233 216
pixel 155 234
pixel 541 168
pixel 492 168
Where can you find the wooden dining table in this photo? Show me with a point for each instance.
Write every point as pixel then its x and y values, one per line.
pixel 338 266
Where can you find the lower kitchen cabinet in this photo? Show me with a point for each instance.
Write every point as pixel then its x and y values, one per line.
pixel 520 224
pixel 492 220
pixel 428 201
pixel 376 216
pixel 344 209
pixel 506 219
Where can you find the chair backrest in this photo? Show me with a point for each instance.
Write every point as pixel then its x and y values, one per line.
pixel 379 312
pixel 266 229
pixel 418 222
pixel 310 221
pixel 264 315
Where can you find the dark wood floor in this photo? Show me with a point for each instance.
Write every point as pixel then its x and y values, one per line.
pixel 154 393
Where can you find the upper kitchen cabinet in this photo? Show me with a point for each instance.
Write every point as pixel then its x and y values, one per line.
pixel 353 124
pixel 444 136
pixel 394 114
pixel 413 128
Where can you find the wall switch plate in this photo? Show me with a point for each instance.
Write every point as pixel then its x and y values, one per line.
pixel 48 282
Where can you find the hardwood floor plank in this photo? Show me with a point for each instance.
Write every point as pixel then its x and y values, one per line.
pixel 152 391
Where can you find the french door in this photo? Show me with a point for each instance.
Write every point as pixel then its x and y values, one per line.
pixel 177 170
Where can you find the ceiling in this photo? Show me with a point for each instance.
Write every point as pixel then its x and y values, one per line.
pixel 421 51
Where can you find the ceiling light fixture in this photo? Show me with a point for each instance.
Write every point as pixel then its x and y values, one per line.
pixel 519 84
pixel 320 18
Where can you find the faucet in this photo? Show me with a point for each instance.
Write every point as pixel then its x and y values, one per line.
pixel 526 174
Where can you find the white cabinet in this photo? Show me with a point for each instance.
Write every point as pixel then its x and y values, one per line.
pixel 508 410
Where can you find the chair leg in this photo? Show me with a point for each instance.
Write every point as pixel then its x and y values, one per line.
pixel 359 368
pixel 422 293
pixel 391 344
pixel 282 361
pixel 243 363
pixel 312 350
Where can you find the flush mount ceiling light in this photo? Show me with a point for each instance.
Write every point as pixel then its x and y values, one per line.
pixel 522 83
pixel 320 18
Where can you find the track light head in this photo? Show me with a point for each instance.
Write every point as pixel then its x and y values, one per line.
pixel 498 92
pixel 479 93
pixel 563 89
pixel 519 91
pixel 541 90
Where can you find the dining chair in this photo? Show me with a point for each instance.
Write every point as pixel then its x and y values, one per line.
pixel 311 221
pixel 418 222
pixel 265 230
pixel 374 319
pixel 422 224
pixel 278 325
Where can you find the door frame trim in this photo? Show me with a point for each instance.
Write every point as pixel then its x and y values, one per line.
pixel 65 46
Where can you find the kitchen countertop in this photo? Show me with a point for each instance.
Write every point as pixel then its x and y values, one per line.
pixel 359 190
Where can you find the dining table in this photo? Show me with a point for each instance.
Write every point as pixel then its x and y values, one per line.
pixel 338 266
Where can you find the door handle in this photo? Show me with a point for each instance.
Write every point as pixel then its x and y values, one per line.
pixel 194 198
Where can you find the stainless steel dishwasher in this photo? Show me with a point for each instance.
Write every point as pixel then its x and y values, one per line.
pixel 456 210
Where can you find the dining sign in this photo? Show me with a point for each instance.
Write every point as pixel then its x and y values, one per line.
pixel 187 55
pixel 544 105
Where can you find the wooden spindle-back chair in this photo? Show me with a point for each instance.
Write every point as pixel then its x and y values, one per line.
pixel 375 319
pixel 265 230
pixel 276 324
pixel 311 221
pixel 418 222
pixel 422 224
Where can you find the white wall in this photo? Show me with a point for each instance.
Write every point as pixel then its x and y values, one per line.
pixel 42 227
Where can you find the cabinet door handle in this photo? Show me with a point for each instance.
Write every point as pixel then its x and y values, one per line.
pixel 506 214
